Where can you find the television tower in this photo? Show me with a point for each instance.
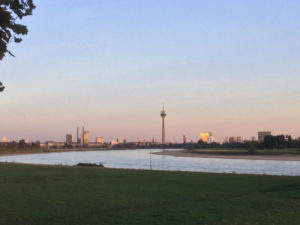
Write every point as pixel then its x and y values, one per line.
pixel 163 114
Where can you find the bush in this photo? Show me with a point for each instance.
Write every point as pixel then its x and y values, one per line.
pixel 90 164
pixel 252 149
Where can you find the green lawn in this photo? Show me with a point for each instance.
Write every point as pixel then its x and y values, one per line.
pixel 72 195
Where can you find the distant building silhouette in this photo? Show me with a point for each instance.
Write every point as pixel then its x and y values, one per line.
pixel 239 139
pixel 112 143
pixel 261 135
pixel 119 141
pixel 69 138
pixel 99 140
pixel 78 139
pixel 184 139
pixel 85 139
pixel 207 137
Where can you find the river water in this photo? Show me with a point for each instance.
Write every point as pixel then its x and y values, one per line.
pixel 143 159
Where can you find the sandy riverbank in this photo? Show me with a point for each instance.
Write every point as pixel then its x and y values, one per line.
pixel 186 153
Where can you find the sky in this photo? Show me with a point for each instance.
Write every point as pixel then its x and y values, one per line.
pixel 228 67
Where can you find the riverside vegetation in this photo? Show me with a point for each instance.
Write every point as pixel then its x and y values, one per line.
pixel 32 195
pixel 272 145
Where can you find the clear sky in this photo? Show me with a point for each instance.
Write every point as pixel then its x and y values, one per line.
pixel 229 67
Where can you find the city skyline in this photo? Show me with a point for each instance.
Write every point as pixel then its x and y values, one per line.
pixel 113 78
pixel 162 138
pixel 203 136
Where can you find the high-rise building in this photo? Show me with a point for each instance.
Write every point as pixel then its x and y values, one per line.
pixel 119 141
pixel 240 139
pixel 163 115
pixel 232 139
pixel 69 138
pixel 143 142
pixel 78 138
pixel 206 137
pixel 184 139
pixel 99 140
pixel 112 143
pixel 261 135
pixel 84 137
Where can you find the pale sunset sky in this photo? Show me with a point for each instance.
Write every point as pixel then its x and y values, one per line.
pixel 229 67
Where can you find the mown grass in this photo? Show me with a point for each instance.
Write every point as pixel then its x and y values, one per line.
pixel 31 194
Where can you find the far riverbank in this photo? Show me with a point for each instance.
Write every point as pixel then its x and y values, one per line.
pixel 45 151
pixel 215 154
pixel 26 151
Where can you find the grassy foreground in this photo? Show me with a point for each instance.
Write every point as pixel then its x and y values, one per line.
pixel 75 195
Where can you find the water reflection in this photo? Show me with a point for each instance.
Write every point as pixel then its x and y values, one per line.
pixel 141 159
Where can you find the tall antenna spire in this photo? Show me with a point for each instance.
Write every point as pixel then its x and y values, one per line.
pixel 163 114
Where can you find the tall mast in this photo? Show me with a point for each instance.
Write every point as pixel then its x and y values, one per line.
pixel 163 114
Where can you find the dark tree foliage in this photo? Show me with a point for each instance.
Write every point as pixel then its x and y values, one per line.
pixel 23 144
pixel 18 145
pixel 11 11
pixel 215 145
pixel 1 87
pixel 289 141
pixel 275 141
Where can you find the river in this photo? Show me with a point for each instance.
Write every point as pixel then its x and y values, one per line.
pixel 143 159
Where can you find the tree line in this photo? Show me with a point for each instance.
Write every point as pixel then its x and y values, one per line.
pixel 270 142
pixel 21 144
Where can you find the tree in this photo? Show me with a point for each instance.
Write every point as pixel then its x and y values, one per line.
pixel 11 11
pixel 1 87
pixel 289 141
pixel 22 143
pixel 269 141
pixel 10 30
pixel 274 141
pixel 252 148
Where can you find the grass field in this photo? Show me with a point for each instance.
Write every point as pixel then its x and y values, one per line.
pixel 31 194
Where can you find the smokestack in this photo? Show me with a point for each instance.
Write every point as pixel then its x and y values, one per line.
pixel 83 136
pixel 77 135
